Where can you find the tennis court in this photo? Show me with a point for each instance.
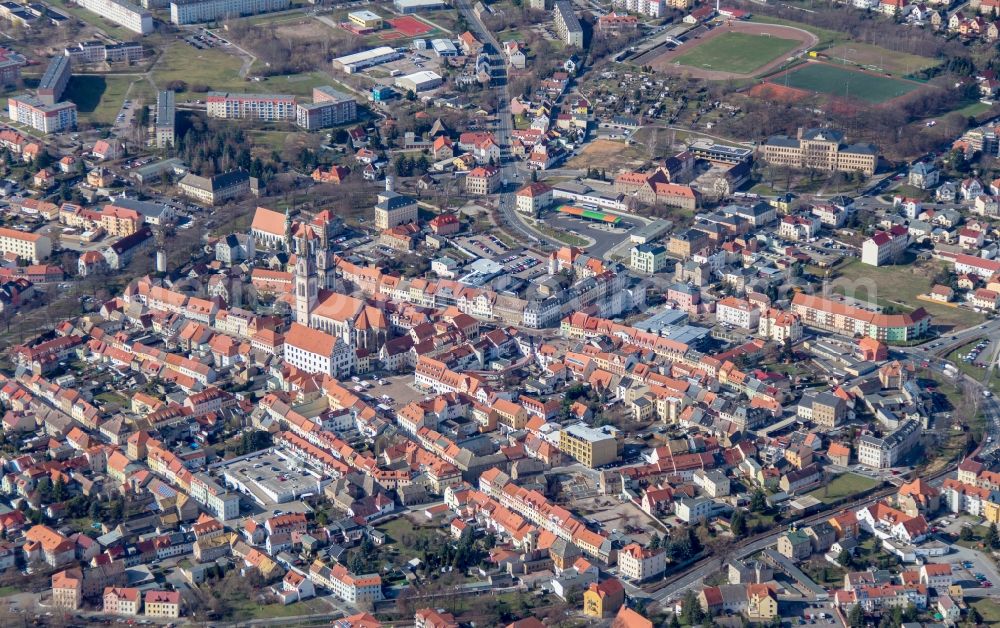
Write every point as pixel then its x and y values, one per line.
pixel 410 26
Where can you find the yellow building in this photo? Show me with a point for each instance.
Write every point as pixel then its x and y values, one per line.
pixel 592 447
pixel 511 414
pixel 603 599
pixel 365 20
pixel 761 602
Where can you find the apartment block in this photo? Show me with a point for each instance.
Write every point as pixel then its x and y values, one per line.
pixel 28 246
pixel 269 107
pixel 885 247
pixel 849 320
pixel 54 80
pixel 194 11
pixel 567 25
pixel 165 130
pixel 43 117
pixel 329 108
pixel 125 14
pixel 648 258
pixel 738 312
pixel 885 452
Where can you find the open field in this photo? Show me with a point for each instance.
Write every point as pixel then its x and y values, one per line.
pixel 832 80
pixel 740 53
pixel 220 71
pixel 825 37
pixel 899 63
pixel 989 610
pixel 975 109
pixel 98 98
pixel 609 154
pixel 899 286
pixel 211 68
pixel 843 485
pixel 737 50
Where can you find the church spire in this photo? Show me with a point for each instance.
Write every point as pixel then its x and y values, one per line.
pixel 288 232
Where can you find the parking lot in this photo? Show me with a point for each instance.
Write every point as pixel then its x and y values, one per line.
pixel 604 238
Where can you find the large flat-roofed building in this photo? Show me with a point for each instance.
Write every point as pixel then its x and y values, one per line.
pixel 366 59
pixel 415 6
pixel 32 247
pixel 164 129
pixel 125 14
pixel 10 66
pixel 567 25
pixel 194 11
pixel 53 82
pixel 589 446
pixel 823 149
pixel 87 52
pixel 38 115
pixel 849 321
pixel 330 107
pixel 217 189
pixel 720 153
pixel 229 106
pixel 419 81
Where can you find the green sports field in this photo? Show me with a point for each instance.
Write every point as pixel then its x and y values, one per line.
pixel 739 53
pixel 844 83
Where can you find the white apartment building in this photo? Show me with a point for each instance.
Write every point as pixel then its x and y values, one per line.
pixel 268 107
pixel 712 482
pixel 355 589
pixel 637 563
pixel 652 8
pixel 33 112
pixel 885 247
pixel 28 246
pixel 533 198
pixel 567 24
pixel 883 453
pixel 315 351
pixel 738 312
pixel 648 258
pixel 193 11
pixel 125 14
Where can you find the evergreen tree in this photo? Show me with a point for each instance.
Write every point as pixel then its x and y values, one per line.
pixel 738 524
pixel 855 618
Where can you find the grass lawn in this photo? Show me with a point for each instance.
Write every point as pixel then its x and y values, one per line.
pixel 212 67
pixel 111 397
pixel 249 609
pixel 826 36
pixel 978 535
pixel 824 78
pixel 899 286
pixel 741 53
pixel 843 485
pixel 975 109
pixel 98 98
pixel 899 63
pixel 912 191
pixel 395 530
pixel 988 609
